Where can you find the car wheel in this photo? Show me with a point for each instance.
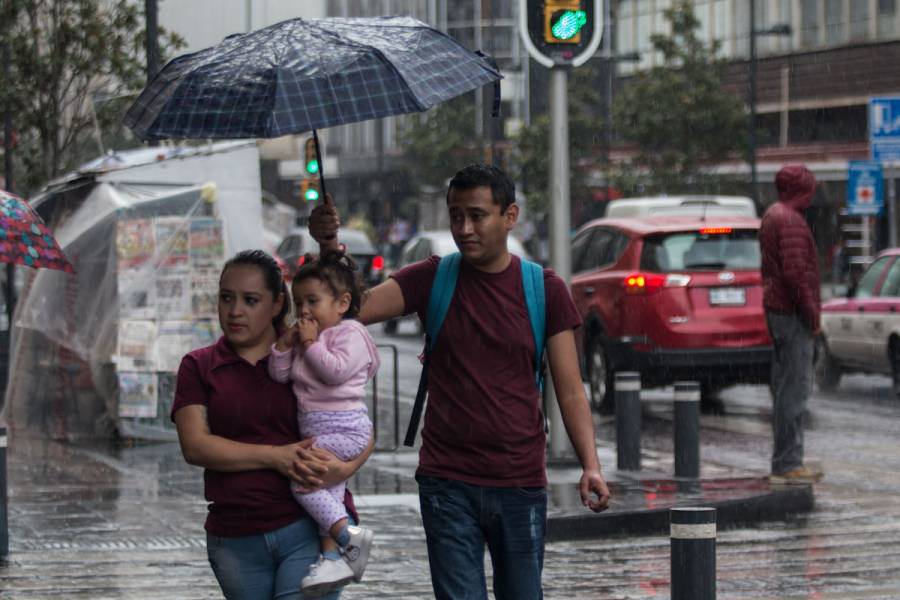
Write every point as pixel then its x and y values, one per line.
pixel 827 370
pixel 894 351
pixel 390 327
pixel 600 377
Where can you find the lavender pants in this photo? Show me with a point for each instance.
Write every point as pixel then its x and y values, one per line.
pixel 344 433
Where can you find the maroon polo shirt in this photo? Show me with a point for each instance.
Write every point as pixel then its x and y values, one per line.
pixel 484 423
pixel 245 405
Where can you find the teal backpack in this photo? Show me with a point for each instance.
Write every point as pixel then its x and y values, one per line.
pixel 442 290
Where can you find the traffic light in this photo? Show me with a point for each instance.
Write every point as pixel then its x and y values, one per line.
pixel 563 21
pixel 561 32
pixel 310 189
pixel 311 161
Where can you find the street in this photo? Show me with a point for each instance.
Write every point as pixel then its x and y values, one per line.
pixel 126 522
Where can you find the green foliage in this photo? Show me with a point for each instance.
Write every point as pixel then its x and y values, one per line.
pixel 531 146
pixel 77 65
pixel 438 143
pixel 677 113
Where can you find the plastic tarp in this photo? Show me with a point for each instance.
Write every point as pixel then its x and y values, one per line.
pixel 96 352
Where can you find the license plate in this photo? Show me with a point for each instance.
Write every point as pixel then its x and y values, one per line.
pixel 727 296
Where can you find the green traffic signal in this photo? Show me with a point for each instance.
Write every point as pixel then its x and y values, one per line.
pixel 311 195
pixel 312 167
pixel 566 24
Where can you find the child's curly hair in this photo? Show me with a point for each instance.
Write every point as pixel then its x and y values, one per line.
pixel 337 270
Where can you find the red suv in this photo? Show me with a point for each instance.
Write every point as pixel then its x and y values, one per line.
pixel 675 298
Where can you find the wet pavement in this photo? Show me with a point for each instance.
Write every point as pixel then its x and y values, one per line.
pixel 126 522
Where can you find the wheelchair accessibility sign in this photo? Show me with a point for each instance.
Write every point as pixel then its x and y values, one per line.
pixel 865 188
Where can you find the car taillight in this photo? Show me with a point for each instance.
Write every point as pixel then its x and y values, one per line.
pixel 301 260
pixel 650 283
pixel 377 263
pixel 715 230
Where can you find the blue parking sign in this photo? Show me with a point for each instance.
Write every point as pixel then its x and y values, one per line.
pixel 865 188
pixel 884 128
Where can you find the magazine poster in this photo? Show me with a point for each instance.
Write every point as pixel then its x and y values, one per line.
pixel 172 243
pixel 137 395
pixel 172 294
pixel 206 332
pixel 136 299
pixel 205 292
pixel 207 244
pixel 174 339
pixel 134 242
pixel 137 338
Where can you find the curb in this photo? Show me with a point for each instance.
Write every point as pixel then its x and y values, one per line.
pixel 774 505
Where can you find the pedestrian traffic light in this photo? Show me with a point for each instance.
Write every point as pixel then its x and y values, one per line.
pixel 563 22
pixel 311 157
pixel 561 32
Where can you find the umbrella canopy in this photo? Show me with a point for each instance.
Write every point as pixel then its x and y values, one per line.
pixel 306 74
pixel 25 239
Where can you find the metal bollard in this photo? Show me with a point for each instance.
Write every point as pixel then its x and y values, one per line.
pixel 4 521
pixel 628 420
pixel 693 553
pixel 687 429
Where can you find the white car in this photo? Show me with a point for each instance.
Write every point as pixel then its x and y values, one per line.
pixel 861 333
pixel 440 243
pixel 693 206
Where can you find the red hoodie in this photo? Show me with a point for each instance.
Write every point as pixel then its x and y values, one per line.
pixel 790 266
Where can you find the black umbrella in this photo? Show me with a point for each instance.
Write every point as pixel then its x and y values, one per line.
pixel 304 74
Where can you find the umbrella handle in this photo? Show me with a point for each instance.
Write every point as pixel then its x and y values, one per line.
pixel 319 159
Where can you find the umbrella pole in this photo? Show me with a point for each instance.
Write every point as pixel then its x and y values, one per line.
pixel 319 160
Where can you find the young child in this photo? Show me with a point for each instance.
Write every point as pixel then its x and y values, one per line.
pixel 329 357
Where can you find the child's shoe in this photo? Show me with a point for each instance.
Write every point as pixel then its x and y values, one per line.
pixel 325 576
pixel 356 553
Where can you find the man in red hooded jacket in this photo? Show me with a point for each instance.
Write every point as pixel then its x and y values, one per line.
pixel 790 272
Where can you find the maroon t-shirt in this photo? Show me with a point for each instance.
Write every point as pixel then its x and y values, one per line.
pixel 484 424
pixel 245 405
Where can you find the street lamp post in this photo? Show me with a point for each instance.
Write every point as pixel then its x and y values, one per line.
pixel 781 29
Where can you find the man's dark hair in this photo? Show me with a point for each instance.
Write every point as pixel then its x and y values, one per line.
pixel 481 175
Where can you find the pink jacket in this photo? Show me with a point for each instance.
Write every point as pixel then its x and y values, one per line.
pixel 332 373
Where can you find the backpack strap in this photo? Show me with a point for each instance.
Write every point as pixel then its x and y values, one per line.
pixel 442 289
pixel 535 301
pixel 439 298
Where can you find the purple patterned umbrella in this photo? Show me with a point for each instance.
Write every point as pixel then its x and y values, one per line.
pixel 25 239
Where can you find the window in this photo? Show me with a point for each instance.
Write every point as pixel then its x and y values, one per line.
pixel 866 286
pixel 859 20
pixel 579 250
pixel 887 17
pixel 809 22
pixel 697 251
pixel 834 21
pixel 598 253
pixel 891 285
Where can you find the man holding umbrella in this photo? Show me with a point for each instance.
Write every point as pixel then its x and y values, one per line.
pixel 481 472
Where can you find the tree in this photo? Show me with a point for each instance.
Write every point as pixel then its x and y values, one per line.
pixel 531 146
pixel 76 64
pixel 441 141
pixel 677 113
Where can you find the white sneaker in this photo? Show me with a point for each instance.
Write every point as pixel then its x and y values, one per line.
pixel 325 576
pixel 356 553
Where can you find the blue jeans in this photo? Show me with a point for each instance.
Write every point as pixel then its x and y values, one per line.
pixel 460 519
pixel 267 565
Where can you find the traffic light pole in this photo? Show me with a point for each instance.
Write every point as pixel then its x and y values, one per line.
pixel 560 224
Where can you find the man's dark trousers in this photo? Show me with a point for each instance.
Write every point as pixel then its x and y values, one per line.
pixel 791 384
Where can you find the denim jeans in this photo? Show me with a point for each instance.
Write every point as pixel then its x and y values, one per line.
pixel 791 384
pixel 267 565
pixel 460 519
